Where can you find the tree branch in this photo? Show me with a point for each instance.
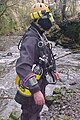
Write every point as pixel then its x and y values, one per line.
pixel 6 9
pixel 3 12
pixel 6 97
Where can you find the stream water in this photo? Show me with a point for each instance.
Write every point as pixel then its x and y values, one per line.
pixel 68 67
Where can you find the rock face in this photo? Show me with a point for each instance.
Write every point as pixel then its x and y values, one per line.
pixel 71 32
pixel 8 41
pixel 67 34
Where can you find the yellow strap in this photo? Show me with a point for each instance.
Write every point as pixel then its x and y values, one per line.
pixel 17 80
pixel 24 91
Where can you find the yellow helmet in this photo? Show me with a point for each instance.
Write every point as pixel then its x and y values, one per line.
pixel 38 10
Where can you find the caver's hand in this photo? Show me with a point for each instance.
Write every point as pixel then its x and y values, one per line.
pixel 39 98
pixel 56 75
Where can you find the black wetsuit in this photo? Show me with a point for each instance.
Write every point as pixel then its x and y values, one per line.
pixel 29 55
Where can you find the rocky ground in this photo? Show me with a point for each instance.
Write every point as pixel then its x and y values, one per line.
pixel 65 105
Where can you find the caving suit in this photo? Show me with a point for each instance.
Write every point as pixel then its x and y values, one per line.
pixel 30 52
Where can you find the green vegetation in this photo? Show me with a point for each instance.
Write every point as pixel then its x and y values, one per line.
pixel 13 16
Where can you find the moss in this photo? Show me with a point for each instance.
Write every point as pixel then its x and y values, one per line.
pixel 14 116
pixel 14 20
pixel 65 117
pixel 7 25
pixel 57 91
pixel 61 117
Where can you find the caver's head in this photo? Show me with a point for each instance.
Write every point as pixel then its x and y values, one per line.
pixel 41 15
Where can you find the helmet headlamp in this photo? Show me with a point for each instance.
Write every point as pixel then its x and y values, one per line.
pixel 38 10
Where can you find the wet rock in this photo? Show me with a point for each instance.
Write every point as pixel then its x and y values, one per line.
pixel 73 83
pixel 8 41
pixel 9 54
